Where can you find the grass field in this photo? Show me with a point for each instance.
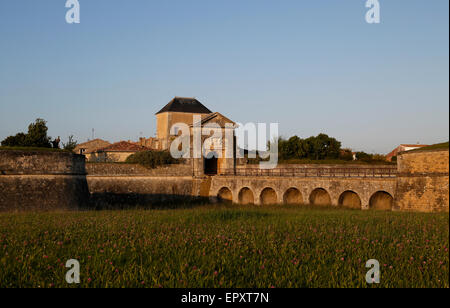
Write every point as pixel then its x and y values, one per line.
pixel 437 146
pixel 224 246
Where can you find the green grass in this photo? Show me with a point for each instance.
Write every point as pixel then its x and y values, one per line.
pixel 438 146
pixel 225 246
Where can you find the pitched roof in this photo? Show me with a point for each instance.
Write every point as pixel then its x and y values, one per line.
pixel 398 149
pixel 124 146
pixel 185 104
pixel 91 145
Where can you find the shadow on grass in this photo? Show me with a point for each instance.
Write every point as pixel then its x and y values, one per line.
pixel 114 201
pixel 132 201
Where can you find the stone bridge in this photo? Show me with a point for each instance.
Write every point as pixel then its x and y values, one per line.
pixel 352 192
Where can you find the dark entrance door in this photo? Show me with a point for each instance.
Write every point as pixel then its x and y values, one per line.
pixel 211 166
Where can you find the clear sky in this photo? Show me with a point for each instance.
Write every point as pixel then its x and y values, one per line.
pixel 313 66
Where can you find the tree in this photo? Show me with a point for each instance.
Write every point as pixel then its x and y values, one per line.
pixel 282 148
pixel 323 147
pixel 316 148
pixel 19 140
pixel 363 156
pixel 379 157
pixel 70 145
pixel 36 136
pixel 152 159
pixel 289 149
pixel 346 154
pixel 296 147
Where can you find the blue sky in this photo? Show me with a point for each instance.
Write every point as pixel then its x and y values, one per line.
pixel 313 66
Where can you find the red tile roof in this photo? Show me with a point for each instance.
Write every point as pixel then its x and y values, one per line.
pixel 124 146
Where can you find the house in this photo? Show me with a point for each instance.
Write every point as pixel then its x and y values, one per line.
pixel 117 152
pixel 90 147
pixel 403 148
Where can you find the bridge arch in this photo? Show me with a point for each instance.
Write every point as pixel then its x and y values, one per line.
pixel 268 196
pixel 293 196
pixel 381 200
pixel 246 196
pixel 225 195
pixel 319 196
pixel 350 199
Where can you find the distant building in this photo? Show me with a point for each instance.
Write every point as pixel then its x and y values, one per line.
pixel 117 152
pixel 90 147
pixel 403 148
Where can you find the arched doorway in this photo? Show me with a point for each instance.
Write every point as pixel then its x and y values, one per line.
pixel 350 199
pixel 381 200
pixel 210 164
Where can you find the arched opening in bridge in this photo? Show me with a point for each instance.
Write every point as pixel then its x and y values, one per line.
pixel 320 196
pixel 246 196
pixel 350 199
pixel 381 200
pixel 268 196
pixel 293 196
pixel 210 164
pixel 225 195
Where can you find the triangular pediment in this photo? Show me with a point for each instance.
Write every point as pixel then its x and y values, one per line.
pixel 217 118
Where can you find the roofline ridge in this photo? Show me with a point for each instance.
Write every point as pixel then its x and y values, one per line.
pixel 185 97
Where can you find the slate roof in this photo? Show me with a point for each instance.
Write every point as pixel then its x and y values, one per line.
pixel 185 104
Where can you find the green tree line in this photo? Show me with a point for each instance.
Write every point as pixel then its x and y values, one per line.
pixel 320 147
pixel 37 137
